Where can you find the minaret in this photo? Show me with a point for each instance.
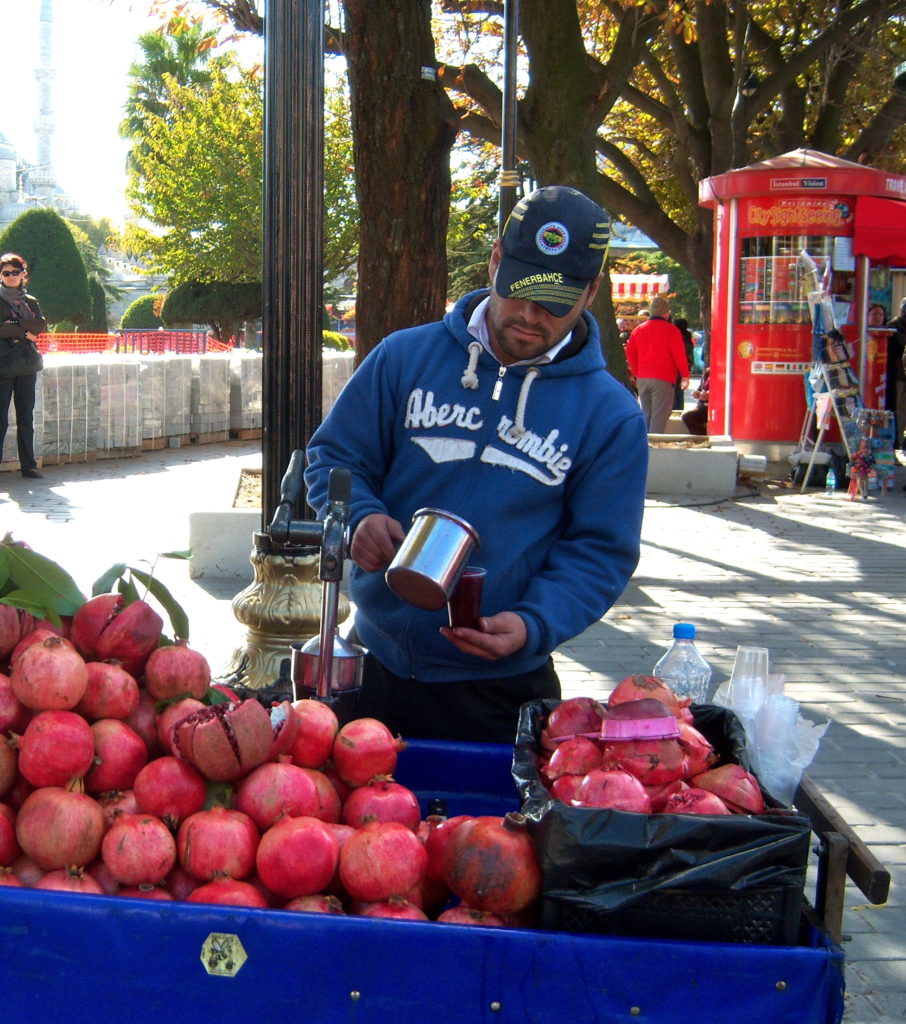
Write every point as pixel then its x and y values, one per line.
pixel 41 179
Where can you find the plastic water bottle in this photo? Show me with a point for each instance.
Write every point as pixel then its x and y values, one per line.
pixel 683 668
pixel 830 483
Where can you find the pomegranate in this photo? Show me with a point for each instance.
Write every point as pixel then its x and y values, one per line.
pixel 277 790
pixel 297 857
pixel 380 860
pixel 226 741
pixel 145 892
pixel 25 869
pixel 575 756
pixel 572 717
pixel 14 715
pixel 176 671
pixel 170 718
pixel 695 801
pixel 71 879
pixel 491 865
pixel 566 787
pixel 364 748
pixel 640 687
pixel 397 908
pixel 14 624
pixel 698 750
pixel 9 879
pixel 119 755
pixel 462 914
pixel 660 794
pixel 612 788
pixel 329 804
pixel 9 846
pixel 144 721
pixel 56 827
pixel 138 848
pixel 171 789
pixel 736 787
pixel 436 843
pixel 315 734
pixel 8 765
pixel 56 747
pixel 217 843
pixel 101 874
pixel 106 627
pixel 117 802
pixel 316 904
pixel 50 675
pixel 180 883
pixel 36 636
pixel 650 761
pixel 111 692
pixel 230 892
pixel 382 799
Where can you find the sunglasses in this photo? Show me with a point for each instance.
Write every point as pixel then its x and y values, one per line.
pixel 11 273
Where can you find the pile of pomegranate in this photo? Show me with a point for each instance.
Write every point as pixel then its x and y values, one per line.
pixel 125 772
pixel 674 775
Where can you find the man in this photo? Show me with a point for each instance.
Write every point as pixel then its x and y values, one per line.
pixel 502 413
pixel 656 357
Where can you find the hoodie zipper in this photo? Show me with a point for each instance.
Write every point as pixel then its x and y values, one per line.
pixel 498 384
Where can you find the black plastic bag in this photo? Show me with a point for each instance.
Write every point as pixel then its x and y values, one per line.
pixel 668 869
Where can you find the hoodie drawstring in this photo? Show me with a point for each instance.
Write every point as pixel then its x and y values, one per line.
pixel 519 419
pixel 469 378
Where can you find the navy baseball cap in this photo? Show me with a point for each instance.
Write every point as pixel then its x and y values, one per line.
pixel 553 244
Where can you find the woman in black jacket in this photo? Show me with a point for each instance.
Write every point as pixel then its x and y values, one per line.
pixel 21 321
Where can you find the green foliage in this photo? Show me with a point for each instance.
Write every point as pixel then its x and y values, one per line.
pixel 140 315
pixel 98 322
pixel 220 304
pixel 336 341
pixel 195 187
pixel 126 580
pixel 36 584
pixel 341 213
pixel 56 271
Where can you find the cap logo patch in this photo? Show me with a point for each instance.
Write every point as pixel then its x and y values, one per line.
pixel 552 238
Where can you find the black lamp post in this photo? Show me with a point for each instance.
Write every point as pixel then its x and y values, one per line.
pixel 293 228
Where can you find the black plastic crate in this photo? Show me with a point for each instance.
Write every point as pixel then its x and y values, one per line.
pixel 771 915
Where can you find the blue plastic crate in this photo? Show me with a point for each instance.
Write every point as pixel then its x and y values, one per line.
pixel 67 959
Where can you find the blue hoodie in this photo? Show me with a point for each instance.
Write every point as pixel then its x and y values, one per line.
pixel 550 472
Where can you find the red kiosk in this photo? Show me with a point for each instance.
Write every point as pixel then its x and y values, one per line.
pixel 851 220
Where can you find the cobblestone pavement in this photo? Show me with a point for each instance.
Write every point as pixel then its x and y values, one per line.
pixel 818 580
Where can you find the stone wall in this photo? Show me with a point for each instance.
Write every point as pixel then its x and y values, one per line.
pixel 101 405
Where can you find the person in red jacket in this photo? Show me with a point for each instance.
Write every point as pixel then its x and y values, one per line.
pixel 656 357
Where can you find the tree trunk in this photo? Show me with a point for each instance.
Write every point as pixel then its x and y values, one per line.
pixel 403 131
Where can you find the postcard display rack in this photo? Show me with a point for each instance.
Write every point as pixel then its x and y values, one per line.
pixel 867 434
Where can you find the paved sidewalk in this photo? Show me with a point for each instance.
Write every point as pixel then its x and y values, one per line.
pixel 819 580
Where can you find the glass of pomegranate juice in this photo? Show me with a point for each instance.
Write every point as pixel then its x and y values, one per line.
pixel 464 606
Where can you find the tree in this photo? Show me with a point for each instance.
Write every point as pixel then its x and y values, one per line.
pixel 196 181
pixel 181 57
pixel 141 315
pixel 56 272
pixel 636 104
pixel 98 321
pixel 223 305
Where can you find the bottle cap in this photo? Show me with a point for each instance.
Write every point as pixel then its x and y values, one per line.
pixel 683 631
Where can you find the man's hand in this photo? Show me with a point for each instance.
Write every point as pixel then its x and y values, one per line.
pixel 375 541
pixel 500 635
pixel 684 383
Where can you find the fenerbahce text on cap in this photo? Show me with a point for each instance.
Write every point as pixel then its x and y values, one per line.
pixel 553 244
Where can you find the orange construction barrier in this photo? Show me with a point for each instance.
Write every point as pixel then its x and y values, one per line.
pixel 128 342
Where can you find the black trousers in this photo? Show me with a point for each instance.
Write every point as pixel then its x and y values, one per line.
pixel 462 711
pixel 21 392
